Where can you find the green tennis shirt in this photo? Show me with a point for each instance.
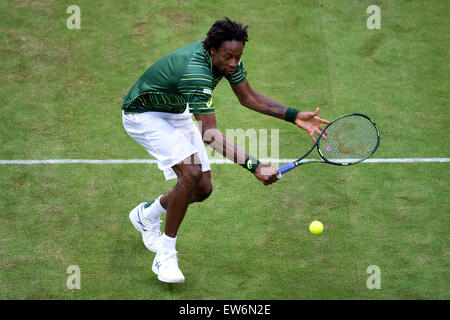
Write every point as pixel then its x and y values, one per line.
pixel 184 76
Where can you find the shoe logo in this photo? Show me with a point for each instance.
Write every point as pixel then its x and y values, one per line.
pixel 139 221
pixel 157 264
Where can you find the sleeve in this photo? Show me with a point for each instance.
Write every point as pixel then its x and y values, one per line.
pixel 239 75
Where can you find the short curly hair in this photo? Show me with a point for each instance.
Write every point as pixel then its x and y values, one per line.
pixel 225 30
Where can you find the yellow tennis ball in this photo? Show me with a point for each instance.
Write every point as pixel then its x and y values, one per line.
pixel 316 227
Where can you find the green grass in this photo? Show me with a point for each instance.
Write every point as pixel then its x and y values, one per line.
pixel 61 92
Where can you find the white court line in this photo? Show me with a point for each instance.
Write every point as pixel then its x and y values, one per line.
pixel 214 161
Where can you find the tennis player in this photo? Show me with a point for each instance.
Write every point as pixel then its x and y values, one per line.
pixel 157 113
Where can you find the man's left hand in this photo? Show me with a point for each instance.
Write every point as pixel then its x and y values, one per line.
pixel 311 123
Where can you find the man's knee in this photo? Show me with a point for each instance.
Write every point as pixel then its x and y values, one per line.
pixel 191 175
pixel 203 192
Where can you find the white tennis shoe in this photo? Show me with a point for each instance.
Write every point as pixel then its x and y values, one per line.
pixel 165 265
pixel 150 229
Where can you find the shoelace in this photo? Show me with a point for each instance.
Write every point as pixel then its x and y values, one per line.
pixel 169 255
pixel 153 226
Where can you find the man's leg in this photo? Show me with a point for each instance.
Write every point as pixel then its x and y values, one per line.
pixel 202 192
pixel 178 199
pixel 190 175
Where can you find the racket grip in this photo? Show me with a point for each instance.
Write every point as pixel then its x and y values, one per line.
pixel 283 169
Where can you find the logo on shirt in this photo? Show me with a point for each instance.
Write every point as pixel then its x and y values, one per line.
pixel 209 103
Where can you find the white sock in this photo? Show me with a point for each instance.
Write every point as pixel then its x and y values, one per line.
pixel 168 243
pixel 154 210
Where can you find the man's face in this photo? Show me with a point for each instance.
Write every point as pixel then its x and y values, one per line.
pixel 226 58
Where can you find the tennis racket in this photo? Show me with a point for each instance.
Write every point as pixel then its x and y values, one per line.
pixel 352 138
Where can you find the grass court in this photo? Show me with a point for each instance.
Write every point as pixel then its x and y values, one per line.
pixel 61 91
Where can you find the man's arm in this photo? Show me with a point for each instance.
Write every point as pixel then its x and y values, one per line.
pixel 308 121
pixel 258 102
pixel 219 142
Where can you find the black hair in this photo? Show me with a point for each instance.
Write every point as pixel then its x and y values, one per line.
pixel 224 30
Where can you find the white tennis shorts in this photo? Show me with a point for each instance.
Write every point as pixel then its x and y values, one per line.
pixel 169 137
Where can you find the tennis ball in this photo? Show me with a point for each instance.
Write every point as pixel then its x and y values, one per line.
pixel 316 227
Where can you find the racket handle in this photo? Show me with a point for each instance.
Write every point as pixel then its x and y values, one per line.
pixel 283 169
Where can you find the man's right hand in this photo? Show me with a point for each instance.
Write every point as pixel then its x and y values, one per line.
pixel 266 174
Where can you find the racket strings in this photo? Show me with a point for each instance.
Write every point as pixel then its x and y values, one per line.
pixel 350 139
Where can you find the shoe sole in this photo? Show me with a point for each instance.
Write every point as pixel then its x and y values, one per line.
pixel 155 271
